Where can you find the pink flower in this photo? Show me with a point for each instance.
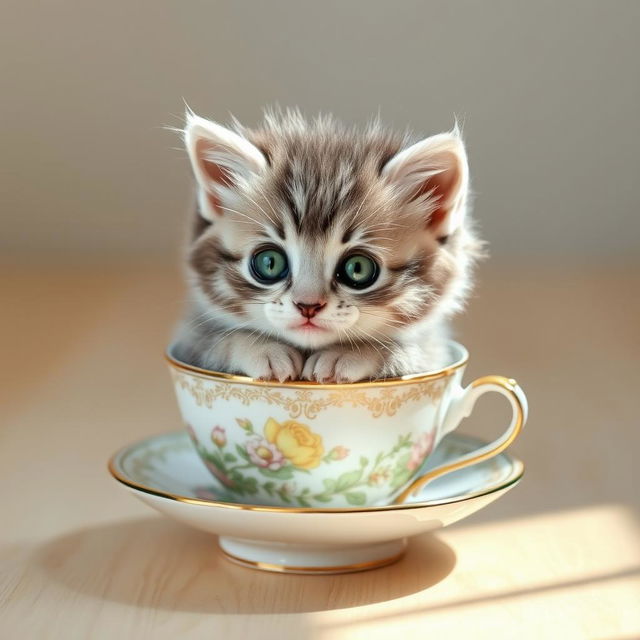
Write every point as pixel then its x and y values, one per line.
pixel 264 454
pixel 218 436
pixel 379 477
pixel 421 449
pixel 338 453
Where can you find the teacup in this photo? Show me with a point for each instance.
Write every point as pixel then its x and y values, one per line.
pixel 304 444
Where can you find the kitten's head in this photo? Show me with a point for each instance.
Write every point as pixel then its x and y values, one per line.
pixel 316 234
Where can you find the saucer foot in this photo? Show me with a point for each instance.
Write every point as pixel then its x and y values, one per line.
pixel 281 557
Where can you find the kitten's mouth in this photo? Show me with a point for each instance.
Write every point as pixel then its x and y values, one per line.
pixel 309 326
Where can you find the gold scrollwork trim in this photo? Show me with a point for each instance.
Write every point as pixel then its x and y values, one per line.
pixel 384 401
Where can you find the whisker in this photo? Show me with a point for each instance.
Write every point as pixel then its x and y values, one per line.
pixel 364 199
pixel 383 238
pixel 227 334
pixel 208 314
pixel 371 213
pixel 382 344
pixel 386 225
pixel 244 215
pixel 354 342
pixel 380 317
pixel 346 333
pixel 264 195
pixel 273 222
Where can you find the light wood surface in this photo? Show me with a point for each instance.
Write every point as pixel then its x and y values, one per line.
pixel 558 557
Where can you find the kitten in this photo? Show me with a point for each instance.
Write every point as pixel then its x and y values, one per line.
pixel 324 253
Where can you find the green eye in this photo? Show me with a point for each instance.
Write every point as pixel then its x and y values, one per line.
pixel 269 265
pixel 357 271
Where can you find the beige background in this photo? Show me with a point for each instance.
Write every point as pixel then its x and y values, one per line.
pixel 549 94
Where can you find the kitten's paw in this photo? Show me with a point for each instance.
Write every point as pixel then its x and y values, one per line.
pixel 272 361
pixel 338 365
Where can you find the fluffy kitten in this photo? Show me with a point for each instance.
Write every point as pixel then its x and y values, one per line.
pixel 324 253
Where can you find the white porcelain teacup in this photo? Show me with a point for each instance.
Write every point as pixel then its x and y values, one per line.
pixel 303 444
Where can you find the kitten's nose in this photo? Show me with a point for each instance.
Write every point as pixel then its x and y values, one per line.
pixel 308 310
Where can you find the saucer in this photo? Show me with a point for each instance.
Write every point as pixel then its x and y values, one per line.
pixel 165 472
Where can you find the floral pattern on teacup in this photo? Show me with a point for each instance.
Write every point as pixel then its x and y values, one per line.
pixel 265 454
pixel 383 401
pixel 420 450
pixel 269 463
pixel 296 441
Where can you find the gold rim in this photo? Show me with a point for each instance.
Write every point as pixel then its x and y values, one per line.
pixel 229 377
pixel 509 385
pixel 514 478
pixel 283 568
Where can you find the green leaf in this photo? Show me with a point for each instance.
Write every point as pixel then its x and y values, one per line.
pixel 302 502
pixel 245 424
pixel 239 489
pixel 251 485
pixel 398 480
pixel 356 498
pixel 403 441
pixel 243 484
pixel 216 458
pixel 402 462
pixel 322 497
pixel 229 457
pixel 268 487
pixel 364 461
pixel 236 476
pixel 284 496
pixel 400 472
pixel 348 479
pixel 330 484
pixel 242 453
pixel 283 473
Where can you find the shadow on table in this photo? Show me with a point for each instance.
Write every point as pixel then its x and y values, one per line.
pixel 155 563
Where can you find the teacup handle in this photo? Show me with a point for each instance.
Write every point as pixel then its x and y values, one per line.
pixel 461 407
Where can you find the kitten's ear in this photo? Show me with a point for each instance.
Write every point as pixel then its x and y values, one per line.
pixel 221 160
pixel 434 174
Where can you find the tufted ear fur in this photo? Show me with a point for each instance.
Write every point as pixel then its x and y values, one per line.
pixel 434 175
pixel 222 161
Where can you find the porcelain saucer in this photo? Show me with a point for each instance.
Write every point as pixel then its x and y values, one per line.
pixel 165 472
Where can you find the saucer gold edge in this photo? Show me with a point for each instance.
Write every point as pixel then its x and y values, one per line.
pixel 282 568
pixel 513 479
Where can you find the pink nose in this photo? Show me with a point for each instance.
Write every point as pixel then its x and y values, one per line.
pixel 310 310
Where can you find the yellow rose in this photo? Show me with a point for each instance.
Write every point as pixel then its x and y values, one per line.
pixel 296 441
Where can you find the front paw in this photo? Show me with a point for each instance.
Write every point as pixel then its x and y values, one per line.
pixel 341 365
pixel 271 361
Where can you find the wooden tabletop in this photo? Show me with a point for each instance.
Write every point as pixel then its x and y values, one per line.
pixel 558 557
